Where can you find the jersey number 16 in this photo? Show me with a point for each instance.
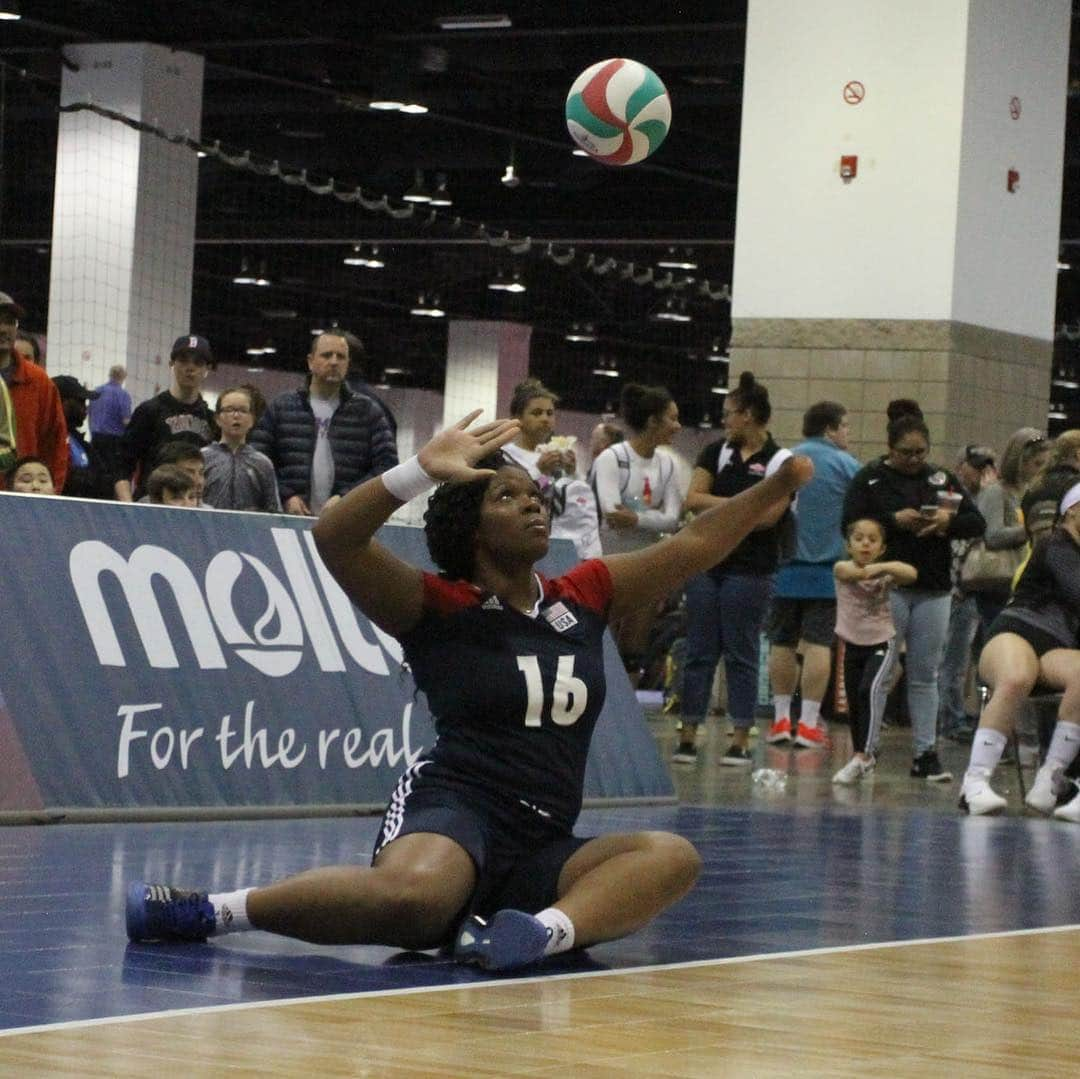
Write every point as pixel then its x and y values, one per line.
pixel 568 697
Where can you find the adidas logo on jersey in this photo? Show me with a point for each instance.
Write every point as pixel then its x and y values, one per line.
pixel 559 617
pixel 491 604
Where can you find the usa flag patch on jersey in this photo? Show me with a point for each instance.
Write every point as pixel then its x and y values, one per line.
pixel 559 617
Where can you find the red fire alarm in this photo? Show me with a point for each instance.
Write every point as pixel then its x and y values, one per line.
pixel 1012 181
pixel 849 167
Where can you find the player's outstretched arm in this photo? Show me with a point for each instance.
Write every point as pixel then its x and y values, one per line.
pixel 648 575
pixel 388 590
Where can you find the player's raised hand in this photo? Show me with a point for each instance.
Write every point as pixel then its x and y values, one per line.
pixel 453 452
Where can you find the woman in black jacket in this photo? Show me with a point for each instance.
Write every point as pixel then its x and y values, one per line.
pixel 923 508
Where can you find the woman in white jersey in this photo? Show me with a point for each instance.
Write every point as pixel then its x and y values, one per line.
pixel 570 500
pixel 638 494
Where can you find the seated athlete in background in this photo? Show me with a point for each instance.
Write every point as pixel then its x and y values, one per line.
pixel 478 836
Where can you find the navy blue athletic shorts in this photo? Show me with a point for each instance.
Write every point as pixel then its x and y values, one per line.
pixel 518 853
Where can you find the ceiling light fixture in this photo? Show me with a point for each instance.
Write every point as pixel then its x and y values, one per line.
pixel 716 354
pixel 262 280
pixel 722 390
pixel 474 22
pixel 9 11
pixel 581 333
pixel 510 177
pixel 608 372
pixel 418 192
pixel 501 284
pixel 358 258
pixel 413 108
pixel 386 104
pixel 671 312
pixel 244 277
pixel 441 196
pixel 427 310
pixel 579 152
pixel 672 261
pixel 1063 265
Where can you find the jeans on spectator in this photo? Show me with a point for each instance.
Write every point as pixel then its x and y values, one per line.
pixel 952 676
pixel 922 623
pixel 724 618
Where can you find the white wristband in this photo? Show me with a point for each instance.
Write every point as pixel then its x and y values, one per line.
pixel 407 480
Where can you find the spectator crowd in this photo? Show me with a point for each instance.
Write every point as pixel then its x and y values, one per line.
pixel 901 564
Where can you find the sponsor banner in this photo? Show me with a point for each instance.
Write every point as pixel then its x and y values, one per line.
pixel 161 658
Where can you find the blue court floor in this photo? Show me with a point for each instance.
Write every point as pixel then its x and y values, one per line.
pixel 774 881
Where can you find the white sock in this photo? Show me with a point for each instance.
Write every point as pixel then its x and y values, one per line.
pixel 986 750
pixel 811 712
pixel 231 910
pixel 560 930
pixel 1064 745
pixel 782 706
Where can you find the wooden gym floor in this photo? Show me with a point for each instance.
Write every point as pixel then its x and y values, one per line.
pixel 865 932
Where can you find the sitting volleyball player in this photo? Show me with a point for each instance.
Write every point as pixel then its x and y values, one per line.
pixel 477 846
pixel 1033 642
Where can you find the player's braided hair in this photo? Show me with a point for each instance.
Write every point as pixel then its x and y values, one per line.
pixel 452 518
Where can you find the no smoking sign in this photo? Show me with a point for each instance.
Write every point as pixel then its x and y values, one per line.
pixel 854 92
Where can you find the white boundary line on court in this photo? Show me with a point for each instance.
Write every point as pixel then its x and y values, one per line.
pixel 76 1024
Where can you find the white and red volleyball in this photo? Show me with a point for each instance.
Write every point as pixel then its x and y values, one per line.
pixel 618 111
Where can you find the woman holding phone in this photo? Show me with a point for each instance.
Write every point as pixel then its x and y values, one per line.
pixel 923 508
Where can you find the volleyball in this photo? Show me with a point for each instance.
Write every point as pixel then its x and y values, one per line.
pixel 618 111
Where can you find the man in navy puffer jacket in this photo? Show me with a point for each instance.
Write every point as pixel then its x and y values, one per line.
pixel 324 439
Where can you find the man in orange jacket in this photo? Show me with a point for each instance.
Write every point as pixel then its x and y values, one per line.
pixel 35 422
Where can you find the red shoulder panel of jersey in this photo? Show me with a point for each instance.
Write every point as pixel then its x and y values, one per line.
pixel 446 597
pixel 588 583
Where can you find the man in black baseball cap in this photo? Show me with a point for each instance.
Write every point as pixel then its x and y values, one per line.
pixel 180 412
pixel 197 347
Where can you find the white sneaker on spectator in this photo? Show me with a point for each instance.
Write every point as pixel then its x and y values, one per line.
pixel 1044 791
pixel 979 799
pixel 853 771
pixel 1070 811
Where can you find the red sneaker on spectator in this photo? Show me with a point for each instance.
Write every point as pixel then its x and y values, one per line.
pixel 811 737
pixel 780 731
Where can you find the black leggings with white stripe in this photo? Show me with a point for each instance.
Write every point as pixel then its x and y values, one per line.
pixel 868 670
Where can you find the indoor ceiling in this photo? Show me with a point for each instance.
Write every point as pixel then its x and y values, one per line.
pixel 292 82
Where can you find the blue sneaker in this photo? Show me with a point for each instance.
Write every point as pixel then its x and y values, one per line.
pixel 511 939
pixel 161 912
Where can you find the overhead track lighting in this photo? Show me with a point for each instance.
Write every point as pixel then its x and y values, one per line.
pixel 9 11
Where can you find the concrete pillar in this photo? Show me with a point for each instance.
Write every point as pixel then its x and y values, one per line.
pixel 932 272
pixel 124 214
pixel 484 362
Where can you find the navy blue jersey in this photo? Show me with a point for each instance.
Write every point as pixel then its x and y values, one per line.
pixel 514 697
